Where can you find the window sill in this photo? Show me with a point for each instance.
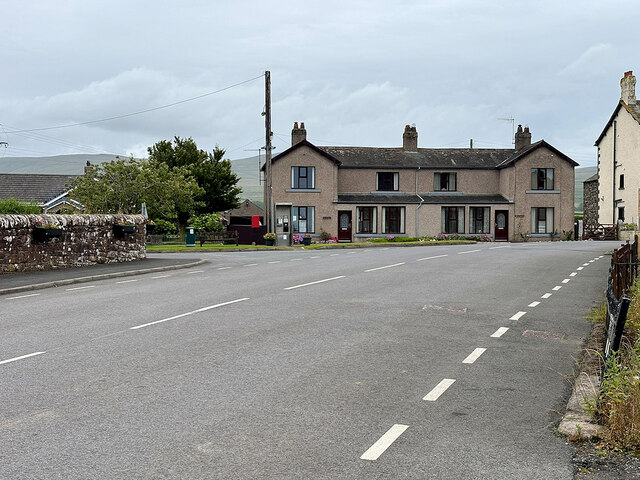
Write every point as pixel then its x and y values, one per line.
pixel 387 192
pixel 543 235
pixel 543 191
pixel 303 190
pixel 445 192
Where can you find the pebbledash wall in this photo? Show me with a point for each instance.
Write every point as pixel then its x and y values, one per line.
pixel 85 240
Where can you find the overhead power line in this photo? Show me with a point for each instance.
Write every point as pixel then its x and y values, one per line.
pixel 135 113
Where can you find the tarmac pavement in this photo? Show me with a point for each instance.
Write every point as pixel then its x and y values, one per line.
pixel 11 283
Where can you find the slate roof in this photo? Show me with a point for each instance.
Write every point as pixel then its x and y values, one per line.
pixel 378 199
pixel 592 178
pixel 34 188
pixel 633 110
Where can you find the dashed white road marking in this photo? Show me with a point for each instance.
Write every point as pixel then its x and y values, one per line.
pixel 591 261
pixel 573 274
pixel 438 390
pixel 566 280
pixel 557 287
pixel 21 358
pixel 80 288
pixel 469 251
pixel 585 264
pixel 334 254
pixel 351 253
pixel 498 333
pixel 431 258
pixel 161 276
pixel 314 283
pixel 518 316
pixel 384 442
pixel 316 256
pixel 296 259
pixel 546 295
pixel 23 296
pixel 250 264
pixel 276 261
pixel 534 304
pixel 386 266
pixel 473 356
pixel 128 281
pixel 223 268
pixel 195 271
pixel 503 246
pixel 580 268
pixel 203 309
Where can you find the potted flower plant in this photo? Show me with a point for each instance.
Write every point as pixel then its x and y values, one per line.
pixel 123 227
pixel 269 239
pixel 306 240
pixel 43 231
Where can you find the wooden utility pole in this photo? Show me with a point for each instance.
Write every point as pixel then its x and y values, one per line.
pixel 268 208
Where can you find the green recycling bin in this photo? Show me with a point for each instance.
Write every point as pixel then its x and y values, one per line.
pixel 190 237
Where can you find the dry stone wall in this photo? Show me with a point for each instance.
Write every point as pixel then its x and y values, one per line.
pixel 84 240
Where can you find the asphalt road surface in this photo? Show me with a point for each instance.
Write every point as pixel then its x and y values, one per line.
pixel 443 362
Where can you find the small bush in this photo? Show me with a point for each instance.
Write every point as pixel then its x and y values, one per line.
pixel 164 227
pixel 11 206
pixel 210 222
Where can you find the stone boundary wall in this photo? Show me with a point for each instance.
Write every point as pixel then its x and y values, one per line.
pixel 85 240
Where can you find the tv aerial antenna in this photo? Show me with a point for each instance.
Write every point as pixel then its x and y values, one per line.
pixel 513 128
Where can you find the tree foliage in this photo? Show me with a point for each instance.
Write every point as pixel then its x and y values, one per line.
pixel 123 185
pixel 210 170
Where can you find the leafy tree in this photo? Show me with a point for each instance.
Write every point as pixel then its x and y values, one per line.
pixel 209 222
pixel 121 186
pixel 210 170
pixel 12 206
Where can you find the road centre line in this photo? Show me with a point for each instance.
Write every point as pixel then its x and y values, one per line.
pixel 469 251
pixel 203 309
pixel 250 264
pixel 533 304
pixel 314 283
pixel 473 356
pixel 317 256
pixel 580 268
pixel 24 296
pixel 276 261
pixel 431 258
pixel 503 246
pixel 384 442
pixel 591 261
pixel 573 274
pixel 295 259
pixel 557 287
pixel 566 280
pixel 438 390
pixel 334 254
pixel 161 276
pixel 195 271
pixel 386 266
pixel 80 288
pixel 224 268
pixel 128 281
pixel 518 316
pixel 499 332
pixel 21 358
pixel 585 264
pixel 546 295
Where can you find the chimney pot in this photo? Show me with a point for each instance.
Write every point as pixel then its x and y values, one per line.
pixel 523 137
pixel 298 134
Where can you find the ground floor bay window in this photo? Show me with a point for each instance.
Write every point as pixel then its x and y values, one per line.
pixel 367 217
pixel 393 220
pixel 479 218
pixel 303 219
pixel 453 219
pixel 542 220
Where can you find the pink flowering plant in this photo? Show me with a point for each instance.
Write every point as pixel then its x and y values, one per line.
pixel 40 224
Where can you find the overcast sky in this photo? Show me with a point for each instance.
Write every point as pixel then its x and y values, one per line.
pixel 356 72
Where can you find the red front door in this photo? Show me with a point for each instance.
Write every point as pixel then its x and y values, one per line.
pixel 502 225
pixel 344 226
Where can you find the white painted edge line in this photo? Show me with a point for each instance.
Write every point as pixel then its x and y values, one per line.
pixel 431 258
pixel 546 295
pixel 573 274
pixel 314 283
pixel 203 309
pixel 469 251
pixel 23 296
pixel 224 268
pixel 580 268
pixel 21 358
pixel 499 332
pixel 566 280
pixel 474 355
pixel 438 390
pixel 250 264
pixel 127 281
pixel 384 442
pixel 557 287
pixel 518 316
pixel 276 261
pixel 80 288
pixel 533 304
pixel 386 266
pixel 161 276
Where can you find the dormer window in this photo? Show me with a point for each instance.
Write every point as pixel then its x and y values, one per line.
pixel 444 182
pixel 302 177
pixel 387 181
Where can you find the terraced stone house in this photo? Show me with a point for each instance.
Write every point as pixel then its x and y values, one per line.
pixel 356 193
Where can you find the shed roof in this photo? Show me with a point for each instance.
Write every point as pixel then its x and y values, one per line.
pixel 34 188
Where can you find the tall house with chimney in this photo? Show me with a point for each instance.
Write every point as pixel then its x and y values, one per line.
pixel 359 193
pixel 619 159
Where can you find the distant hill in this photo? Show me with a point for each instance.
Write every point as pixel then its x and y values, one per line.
pixel 581 174
pixel 245 168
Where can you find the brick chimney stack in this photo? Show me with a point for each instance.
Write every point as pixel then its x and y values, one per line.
pixel 298 134
pixel 628 88
pixel 523 137
pixel 410 139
